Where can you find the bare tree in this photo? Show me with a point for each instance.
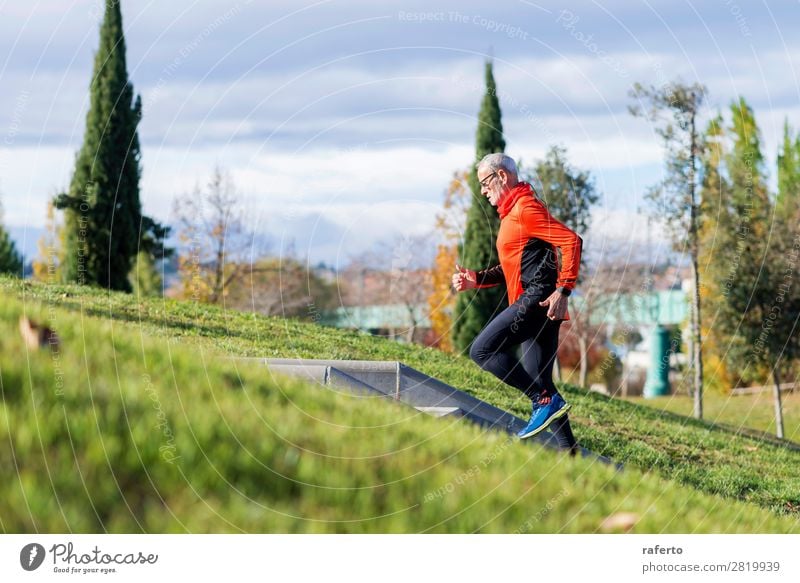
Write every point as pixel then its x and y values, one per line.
pixel 396 273
pixel 410 284
pixel 283 286
pixel 217 247
pixel 674 109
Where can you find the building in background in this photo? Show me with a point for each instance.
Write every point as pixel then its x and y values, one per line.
pixel 401 322
pixel 636 326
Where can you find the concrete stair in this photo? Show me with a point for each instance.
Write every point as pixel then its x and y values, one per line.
pixel 392 380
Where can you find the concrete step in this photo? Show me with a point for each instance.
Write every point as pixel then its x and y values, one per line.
pixel 396 381
pixel 440 411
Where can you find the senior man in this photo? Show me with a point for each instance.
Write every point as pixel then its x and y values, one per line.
pixel 537 295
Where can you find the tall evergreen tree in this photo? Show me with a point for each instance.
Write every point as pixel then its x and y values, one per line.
pixel 105 228
pixel 475 308
pixel 752 217
pixel 788 200
pixel 756 300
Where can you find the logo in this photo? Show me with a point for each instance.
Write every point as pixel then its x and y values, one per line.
pixel 31 556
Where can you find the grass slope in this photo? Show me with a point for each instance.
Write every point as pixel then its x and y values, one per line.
pixel 746 413
pixel 137 424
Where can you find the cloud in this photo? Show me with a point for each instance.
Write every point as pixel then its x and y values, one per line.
pixel 29 177
pixel 339 233
pixel 353 108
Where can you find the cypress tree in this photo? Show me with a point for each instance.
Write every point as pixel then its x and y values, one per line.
pixel 475 308
pixel 104 225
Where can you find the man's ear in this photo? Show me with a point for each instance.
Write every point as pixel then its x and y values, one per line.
pixel 503 176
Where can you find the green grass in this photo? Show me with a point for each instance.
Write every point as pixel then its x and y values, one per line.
pixel 746 413
pixel 139 423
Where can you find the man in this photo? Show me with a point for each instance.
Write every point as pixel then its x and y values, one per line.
pixel 537 295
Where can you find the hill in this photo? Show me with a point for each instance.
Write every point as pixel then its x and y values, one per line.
pixel 137 422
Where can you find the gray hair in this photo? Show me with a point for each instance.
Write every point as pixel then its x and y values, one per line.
pixel 495 162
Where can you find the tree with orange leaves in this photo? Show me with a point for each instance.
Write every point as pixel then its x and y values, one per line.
pixel 450 226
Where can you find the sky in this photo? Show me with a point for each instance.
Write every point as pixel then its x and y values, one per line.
pixel 342 121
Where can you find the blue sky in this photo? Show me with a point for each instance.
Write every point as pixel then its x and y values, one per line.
pixel 342 121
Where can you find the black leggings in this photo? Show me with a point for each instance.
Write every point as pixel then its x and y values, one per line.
pixel 525 324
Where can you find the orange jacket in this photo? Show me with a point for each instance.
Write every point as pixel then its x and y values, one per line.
pixel 526 245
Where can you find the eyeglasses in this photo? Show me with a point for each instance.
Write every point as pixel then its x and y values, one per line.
pixel 485 182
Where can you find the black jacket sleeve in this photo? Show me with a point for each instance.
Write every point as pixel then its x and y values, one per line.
pixel 490 277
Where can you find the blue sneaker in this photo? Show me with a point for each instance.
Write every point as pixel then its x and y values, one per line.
pixel 545 411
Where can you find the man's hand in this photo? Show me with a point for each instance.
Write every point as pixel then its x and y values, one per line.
pixel 557 303
pixel 464 279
